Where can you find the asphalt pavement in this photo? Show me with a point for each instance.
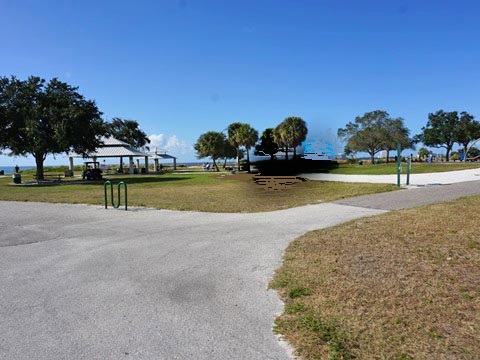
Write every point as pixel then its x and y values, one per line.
pixel 82 282
pixel 415 196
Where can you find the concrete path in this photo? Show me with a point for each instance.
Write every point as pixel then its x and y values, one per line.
pixel 82 282
pixel 413 197
pixel 440 178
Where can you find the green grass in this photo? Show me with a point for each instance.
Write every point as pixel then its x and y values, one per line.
pixel 197 192
pixel 390 169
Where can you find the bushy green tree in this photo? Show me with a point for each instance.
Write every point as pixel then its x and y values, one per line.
pixel 128 131
pixel 211 144
pixel 40 118
pixel 367 133
pixel 267 144
pixel 466 131
pixel 396 133
pixel 423 153
pixel 440 131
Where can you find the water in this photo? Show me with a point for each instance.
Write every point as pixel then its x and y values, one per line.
pixel 8 170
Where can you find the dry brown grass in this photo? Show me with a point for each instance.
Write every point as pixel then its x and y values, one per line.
pixel 397 286
pixel 202 192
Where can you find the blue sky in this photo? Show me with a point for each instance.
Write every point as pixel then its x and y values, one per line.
pixel 183 67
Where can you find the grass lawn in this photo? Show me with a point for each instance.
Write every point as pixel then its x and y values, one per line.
pixel 402 285
pixel 198 192
pixel 387 169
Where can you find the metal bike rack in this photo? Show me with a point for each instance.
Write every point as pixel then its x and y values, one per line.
pixel 119 185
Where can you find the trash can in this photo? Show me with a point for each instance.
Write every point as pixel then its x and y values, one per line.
pixel 17 178
pixel 68 173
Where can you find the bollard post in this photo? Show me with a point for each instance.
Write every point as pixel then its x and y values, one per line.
pixel 409 169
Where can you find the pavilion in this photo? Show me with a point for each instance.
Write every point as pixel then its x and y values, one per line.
pixel 114 148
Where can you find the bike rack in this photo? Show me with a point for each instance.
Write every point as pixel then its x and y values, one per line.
pixel 115 206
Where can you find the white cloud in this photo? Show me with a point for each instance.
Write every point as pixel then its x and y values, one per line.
pixel 173 145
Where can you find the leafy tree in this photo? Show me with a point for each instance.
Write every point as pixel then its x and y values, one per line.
pixel 267 144
pixel 396 133
pixel 40 118
pixel 128 131
pixel 440 130
pixel 467 130
pixel 229 152
pixel 423 153
pixel 454 155
pixel 211 144
pixel 367 133
pixel 290 133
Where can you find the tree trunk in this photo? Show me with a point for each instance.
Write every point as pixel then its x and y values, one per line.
pixel 372 157
pixel 465 152
pixel 388 155
pixel 39 159
pixel 121 164
pixel 272 157
pixel 294 153
pixel 447 156
pixel 286 152
pixel 238 159
pixel 215 166
pixel 248 160
pixel 224 163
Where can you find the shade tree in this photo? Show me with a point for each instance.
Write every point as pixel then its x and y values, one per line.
pixel 267 144
pixel 211 144
pixel 128 131
pixel 366 133
pixel 39 119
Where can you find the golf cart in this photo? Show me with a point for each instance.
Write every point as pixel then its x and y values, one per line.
pixel 92 171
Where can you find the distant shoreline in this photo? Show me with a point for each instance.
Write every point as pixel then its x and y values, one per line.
pixel 8 170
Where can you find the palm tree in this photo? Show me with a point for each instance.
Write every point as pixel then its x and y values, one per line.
pixel 278 137
pixel 249 139
pixel 235 138
pixel 290 133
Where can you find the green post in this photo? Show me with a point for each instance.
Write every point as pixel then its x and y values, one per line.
pixel 105 191
pixel 117 205
pixel 125 191
pixel 399 164
pixel 409 169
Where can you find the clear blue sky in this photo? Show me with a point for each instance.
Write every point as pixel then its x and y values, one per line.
pixel 183 67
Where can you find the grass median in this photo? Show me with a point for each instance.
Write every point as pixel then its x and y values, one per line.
pixel 197 192
pixel 402 285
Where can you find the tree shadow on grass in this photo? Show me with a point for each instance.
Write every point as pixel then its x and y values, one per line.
pixel 142 180
pixel 114 180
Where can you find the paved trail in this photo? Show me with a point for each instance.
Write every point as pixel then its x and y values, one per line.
pixel 413 197
pixel 81 282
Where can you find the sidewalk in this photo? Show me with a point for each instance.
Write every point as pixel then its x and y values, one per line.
pixel 414 197
pixel 449 177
